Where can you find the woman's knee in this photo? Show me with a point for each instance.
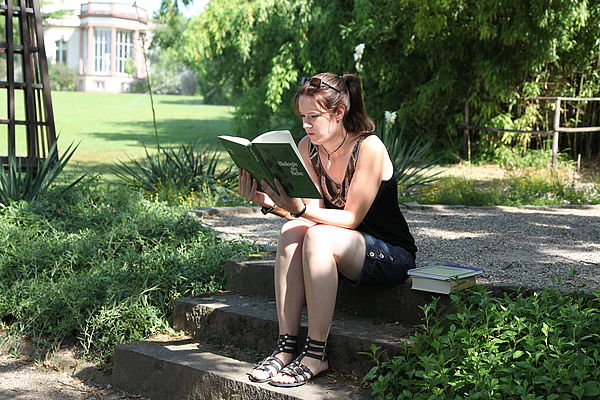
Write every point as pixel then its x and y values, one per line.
pixel 318 237
pixel 345 246
pixel 294 228
pixel 320 231
pixel 291 235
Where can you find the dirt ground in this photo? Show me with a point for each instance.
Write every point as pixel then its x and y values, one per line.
pixel 24 379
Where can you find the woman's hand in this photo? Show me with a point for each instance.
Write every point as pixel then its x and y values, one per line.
pixel 248 189
pixel 292 204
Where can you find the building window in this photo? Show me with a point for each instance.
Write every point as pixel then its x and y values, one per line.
pixel 61 52
pixel 102 50
pixel 124 50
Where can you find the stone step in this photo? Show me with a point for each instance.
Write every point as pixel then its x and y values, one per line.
pixel 250 322
pixel 184 370
pixel 254 276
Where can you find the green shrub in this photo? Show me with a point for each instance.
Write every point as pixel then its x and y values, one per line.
pixel 184 172
pixel 514 191
pixel 511 157
pixel 546 346
pixel 411 166
pixel 138 86
pixel 71 262
pixel 26 180
pixel 63 77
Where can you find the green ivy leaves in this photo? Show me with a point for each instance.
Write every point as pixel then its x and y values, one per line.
pixel 545 346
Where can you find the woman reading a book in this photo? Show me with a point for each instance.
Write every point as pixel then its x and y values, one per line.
pixel 356 233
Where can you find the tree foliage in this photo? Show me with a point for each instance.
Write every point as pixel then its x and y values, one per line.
pixel 424 59
pixel 262 48
pixel 168 73
pixel 428 57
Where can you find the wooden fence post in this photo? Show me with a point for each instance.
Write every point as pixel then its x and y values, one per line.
pixel 467 133
pixel 555 135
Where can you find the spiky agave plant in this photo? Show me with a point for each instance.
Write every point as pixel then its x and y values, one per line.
pixel 411 165
pixel 18 183
pixel 185 167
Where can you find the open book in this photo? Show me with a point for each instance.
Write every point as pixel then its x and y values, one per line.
pixel 273 155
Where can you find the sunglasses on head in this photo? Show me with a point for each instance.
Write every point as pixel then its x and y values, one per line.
pixel 317 82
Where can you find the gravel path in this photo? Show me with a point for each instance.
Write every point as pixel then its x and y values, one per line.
pixel 516 246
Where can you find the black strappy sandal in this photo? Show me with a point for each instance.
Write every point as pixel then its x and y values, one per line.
pixel 300 372
pixel 272 365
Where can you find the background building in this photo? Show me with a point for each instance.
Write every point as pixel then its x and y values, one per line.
pixel 101 40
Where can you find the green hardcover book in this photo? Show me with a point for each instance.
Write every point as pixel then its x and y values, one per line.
pixel 270 156
pixel 442 286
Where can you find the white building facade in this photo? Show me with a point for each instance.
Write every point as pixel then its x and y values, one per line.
pixel 102 41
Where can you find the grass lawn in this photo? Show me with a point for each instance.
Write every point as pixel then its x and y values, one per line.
pixel 115 127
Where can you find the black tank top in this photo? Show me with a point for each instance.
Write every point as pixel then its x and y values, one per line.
pixel 384 220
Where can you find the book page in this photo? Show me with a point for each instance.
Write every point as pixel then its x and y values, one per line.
pixel 274 137
pixel 239 140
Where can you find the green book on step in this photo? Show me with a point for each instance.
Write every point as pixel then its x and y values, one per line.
pixel 273 155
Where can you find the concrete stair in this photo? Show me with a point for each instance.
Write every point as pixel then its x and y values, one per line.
pixel 251 323
pixel 181 370
pixel 254 277
pixel 245 319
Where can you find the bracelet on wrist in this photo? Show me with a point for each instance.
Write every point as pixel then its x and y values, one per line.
pixel 298 215
pixel 266 210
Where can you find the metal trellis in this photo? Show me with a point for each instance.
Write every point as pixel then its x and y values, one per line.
pixel 27 129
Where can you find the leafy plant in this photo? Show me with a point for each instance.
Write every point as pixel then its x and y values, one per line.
pixel 409 157
pixel 513 156
pixel 63 77
pixel 512 191
pixel 544 346
pixel 173 171
pixel 26 180
pixel 102 265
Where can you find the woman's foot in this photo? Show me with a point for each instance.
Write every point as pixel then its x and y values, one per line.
pixel 284 353
pixel 311 363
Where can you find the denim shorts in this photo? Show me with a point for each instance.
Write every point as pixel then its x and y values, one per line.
pixel 385 265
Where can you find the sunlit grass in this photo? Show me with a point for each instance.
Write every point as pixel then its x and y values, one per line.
pixel 115 127
pixel 513 190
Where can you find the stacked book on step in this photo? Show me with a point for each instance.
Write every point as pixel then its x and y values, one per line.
pixel 444 278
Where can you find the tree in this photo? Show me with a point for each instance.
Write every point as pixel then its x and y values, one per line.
pixel 168 73
pixel 423 58
pixel 261 49
pixel 428 57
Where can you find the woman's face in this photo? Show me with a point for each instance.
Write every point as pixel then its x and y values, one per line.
pixel 318 123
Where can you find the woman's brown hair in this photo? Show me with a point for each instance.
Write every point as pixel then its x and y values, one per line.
pixel 335 90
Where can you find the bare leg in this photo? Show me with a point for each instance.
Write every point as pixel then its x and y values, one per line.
pixel 289 284
pixel 326 250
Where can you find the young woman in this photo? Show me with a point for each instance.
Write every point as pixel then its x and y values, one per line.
pixel 356 233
